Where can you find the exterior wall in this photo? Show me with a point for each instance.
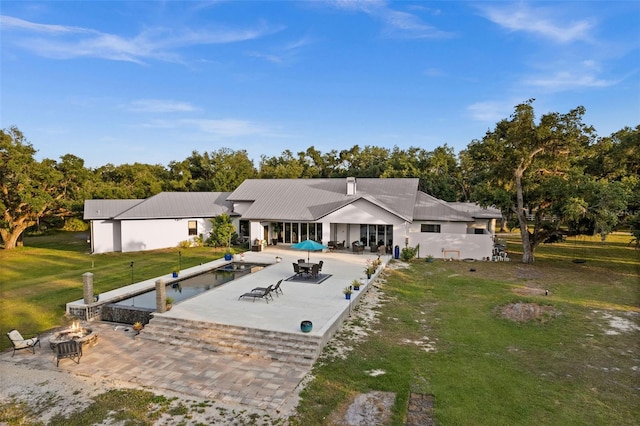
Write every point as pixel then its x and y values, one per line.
pixel 139 235
pixel 105 236
pixel 349 218
pixel 453 238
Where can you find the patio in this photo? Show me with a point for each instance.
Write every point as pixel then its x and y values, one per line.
pixel 251 382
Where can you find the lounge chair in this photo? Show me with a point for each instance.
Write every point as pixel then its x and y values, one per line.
pixel 20 342
pixel 276 289
pixel 70 349
pixel 262 294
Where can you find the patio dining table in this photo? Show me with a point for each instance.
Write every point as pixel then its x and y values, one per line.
pixel 306 267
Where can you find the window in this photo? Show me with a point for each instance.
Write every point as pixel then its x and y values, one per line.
pixel 193 227
pixel 428 227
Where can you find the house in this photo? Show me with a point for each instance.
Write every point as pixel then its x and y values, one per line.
pixel 161 221
pixel 373 214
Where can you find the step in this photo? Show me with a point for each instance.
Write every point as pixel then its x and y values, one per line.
pixel 242 341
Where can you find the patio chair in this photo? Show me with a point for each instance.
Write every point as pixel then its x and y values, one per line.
pixel 302 260
pixel 70 349
pixel 276 289
pixel 20 342
pixel 262 294
pixel 297 270
pixel 320 265
pixel 340 246
pixel 315 270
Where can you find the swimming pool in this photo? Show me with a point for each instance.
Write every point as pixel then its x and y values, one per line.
pixel 194 285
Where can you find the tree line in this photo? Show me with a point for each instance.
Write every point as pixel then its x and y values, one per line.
pixel 552 167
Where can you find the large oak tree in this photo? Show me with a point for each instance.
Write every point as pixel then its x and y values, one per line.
pixel 524 165
pixel 31 189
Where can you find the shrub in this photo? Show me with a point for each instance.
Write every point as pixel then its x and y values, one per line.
pixel 408 253
pixel 76 225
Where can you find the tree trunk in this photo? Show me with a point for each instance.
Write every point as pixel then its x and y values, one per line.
pixel 527 250
pixel 11 237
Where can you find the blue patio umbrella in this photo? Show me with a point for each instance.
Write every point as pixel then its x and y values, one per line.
pixel 308 245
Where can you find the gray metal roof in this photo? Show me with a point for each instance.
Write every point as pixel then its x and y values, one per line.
pixel 180 205
pixel 106 209
pixel 162 205
pixel 312 199
pixel 477 211
pixel 432 208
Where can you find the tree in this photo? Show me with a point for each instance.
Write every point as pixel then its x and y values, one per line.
pixel 32 190
pixel 522 166
pixel 222 230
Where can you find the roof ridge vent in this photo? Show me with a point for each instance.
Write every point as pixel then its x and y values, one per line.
pixel 351 185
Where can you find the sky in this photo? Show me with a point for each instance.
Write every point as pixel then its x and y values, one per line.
pixel 119 82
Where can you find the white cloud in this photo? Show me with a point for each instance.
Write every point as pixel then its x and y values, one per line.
pixel 397 23
pixel 490 111
pixel 568 80
pixel 226 127
pixel 65 42
pixel 159 105
pixel 543 21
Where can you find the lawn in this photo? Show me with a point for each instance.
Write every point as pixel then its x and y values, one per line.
pixel 39 279
pixel 440 330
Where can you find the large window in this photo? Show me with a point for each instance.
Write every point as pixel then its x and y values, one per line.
pixel 193 227
pixel 429 227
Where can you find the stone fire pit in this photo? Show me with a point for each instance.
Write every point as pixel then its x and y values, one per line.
pixel 82 335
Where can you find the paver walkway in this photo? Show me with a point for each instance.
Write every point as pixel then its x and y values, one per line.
pixel 119 355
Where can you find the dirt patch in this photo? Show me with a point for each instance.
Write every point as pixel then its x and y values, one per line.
pixel 525 312
pixel 420 412
pixel 531 291
pixel 366 409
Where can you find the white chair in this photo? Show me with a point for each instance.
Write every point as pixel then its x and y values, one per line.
pixel 20 342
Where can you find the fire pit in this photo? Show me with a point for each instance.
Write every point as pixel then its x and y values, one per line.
pixel 76 332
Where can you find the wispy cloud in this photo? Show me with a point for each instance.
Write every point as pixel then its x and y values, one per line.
pixel 225 127
pixel 396 23
pixel 568 80
pixel 285 53
pixel 490 111
pixel 543 21
pixel 66 42
pixel 159 105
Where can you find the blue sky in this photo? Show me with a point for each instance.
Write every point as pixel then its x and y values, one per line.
pixel 151 81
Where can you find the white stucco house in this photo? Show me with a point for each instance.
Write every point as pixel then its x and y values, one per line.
pixel 373 212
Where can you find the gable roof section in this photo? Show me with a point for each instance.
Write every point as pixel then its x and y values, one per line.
pixel 477 211
pixel 179 205
pixel 160 206
pixel 106 209
pixel 312 199
pixel 432 208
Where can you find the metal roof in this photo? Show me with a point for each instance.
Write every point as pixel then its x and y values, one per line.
pixel 180 205
pixel 312 199
pixel 106 209
pixel 432 208
pixel 477 211
pixel 162 205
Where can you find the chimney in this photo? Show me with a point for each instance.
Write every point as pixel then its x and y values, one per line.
pixel 351 186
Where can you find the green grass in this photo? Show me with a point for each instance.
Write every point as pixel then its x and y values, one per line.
pixel 39 279
pixel 489 370
pixel 485 370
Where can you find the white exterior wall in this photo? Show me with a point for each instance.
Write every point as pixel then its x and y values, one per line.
pixel 155 234
pixel 452 237
pixel 105 236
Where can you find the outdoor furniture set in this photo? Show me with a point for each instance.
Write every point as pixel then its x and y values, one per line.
pixel 69 349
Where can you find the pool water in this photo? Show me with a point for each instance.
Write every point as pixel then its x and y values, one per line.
pixel 194 285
